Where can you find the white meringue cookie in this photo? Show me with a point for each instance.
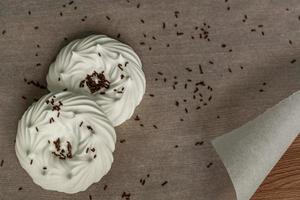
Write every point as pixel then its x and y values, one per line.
pixel 65 142
pixel 103 68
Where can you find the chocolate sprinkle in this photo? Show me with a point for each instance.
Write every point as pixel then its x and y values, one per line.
pixel 209 165
pixel 2 162
pixel 122 141
pixel 137 118
pixel 200 69
pixel 164 183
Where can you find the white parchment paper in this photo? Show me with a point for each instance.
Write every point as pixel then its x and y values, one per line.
pixel 251 151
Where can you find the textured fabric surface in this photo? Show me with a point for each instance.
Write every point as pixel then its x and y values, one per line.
pixel 249 57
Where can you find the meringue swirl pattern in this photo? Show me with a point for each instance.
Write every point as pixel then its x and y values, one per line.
pixel 105 69
pixel 65 142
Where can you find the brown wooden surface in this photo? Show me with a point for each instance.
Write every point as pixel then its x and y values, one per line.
pixel 283 183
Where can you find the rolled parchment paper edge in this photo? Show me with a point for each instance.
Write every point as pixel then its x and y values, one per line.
pixel 251 151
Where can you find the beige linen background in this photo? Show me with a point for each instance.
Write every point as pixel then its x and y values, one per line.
pixel 248 52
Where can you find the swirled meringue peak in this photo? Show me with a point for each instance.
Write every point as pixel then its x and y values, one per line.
pixel 65 142
pixel 103 68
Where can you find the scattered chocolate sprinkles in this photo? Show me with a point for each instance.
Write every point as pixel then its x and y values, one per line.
pixel 199 143
pixel 126 195
pixel 35 83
